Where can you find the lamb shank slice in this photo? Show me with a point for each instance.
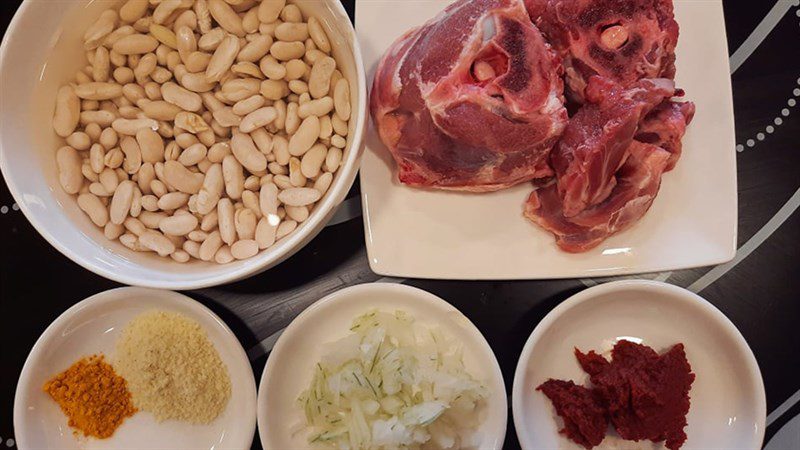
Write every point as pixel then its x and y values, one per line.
pixel 471 100
pixel 624 40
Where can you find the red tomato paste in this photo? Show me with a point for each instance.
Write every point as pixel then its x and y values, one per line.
pixel 644 395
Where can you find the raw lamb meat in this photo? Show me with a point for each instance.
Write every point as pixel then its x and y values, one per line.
pixel 665 126
pixel 624 40
pixel 637 183
pixel 472 100
pixel 597 139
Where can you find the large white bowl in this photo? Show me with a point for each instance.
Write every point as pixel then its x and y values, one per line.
pixel 728 404
pixel 41 50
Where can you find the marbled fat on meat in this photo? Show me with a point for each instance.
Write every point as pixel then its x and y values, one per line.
pixel 471 100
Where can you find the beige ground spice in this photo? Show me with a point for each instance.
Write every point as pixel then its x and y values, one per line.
pixel 172 369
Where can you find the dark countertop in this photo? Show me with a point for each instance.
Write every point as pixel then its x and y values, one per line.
pixel 759 290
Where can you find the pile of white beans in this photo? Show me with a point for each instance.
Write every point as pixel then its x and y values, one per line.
pixel 203 129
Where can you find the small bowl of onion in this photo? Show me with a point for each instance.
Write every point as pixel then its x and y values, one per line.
pixel 382 365
pixel 45 48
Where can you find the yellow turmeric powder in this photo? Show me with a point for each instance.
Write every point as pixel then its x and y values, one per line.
pixel 94 398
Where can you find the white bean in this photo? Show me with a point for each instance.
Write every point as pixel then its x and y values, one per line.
pixel 223 58
pixel 245 223
pixel 121 202
pixel 286 227
pixel 179 96
pixel 172 200
pixel 248 105
pixel 240 89
pixel 305 137
pixel 339 125
pixel 255 49
pixel 244 249
pixel 133 10
pixel 292 118
pixel 218 152
pixel 135 44
pixel 100 29
pixel 320 78
pixel 271 68
pixel 164 9
pixel 224 255
pixel 151 145
pixel 226 17
pixel 323 182
pixel 193 154
pixel 257 119
pixel 179 177
pixel 247 154
pixel 292 31
pixel 157 242
pixel 234 177
pixel 69 169
pixel 274 89
pixel 94 208
pixel 285 51
pixel 312 161
pixel 318 34
pixel 98 90
pixel 265 231
pixel 178 225
pixel 341 98
pixel 319 107
pixel 296 176
pixel 269 10
pixel 68 111
pixel 299 196
pixel 296 69
pixel 210 246
pixel 113 231
pixel 108 178
pixel 227 228
pixel 180 256
pixel 191 122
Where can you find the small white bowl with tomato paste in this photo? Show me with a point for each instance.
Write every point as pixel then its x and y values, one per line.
pixel 727 402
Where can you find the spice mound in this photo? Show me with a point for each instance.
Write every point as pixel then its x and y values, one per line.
pixel 644 395
pixel 92 396
pixel 173 370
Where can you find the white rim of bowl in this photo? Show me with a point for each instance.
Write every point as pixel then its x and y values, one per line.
pixel 681 294
pixel 273 255
pixel 336 296
pixel 102 298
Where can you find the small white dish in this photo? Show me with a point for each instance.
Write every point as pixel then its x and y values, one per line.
pixel 92 326
pixel 728 404
pixel 41 50
pixel 416 233
pixel 291 363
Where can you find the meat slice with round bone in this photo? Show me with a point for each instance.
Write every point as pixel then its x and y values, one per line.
pixel 472 100
pixel 623 40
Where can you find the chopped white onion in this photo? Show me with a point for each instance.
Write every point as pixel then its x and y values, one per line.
pixel 392 383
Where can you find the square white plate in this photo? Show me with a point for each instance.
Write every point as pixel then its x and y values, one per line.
pixel 430 234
